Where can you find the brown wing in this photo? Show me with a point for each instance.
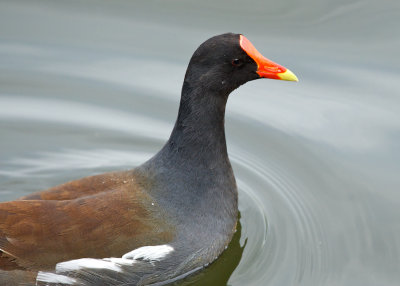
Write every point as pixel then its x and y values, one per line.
pixel 83 187
pixel 37 234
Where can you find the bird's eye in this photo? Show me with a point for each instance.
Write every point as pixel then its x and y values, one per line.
pixel 237 62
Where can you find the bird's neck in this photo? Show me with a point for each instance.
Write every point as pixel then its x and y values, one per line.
pixel 198 136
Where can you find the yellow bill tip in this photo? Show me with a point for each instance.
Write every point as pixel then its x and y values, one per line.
pixel 287 75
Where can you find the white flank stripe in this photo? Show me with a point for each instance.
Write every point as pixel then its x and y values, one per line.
pixel 78 264
pixel 146 253
pixel 54 278
pixel 149 253
pixel 120 261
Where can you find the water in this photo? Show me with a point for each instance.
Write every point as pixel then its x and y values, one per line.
pixel 89 87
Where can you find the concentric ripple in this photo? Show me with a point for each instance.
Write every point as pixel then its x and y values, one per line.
pixel 285 242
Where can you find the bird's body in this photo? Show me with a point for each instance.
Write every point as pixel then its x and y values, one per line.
pixel 169 217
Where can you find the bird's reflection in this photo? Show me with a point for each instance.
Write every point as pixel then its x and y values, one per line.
pixel 218 273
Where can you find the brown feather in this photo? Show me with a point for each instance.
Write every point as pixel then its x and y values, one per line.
pixel 100 216
pixel 83 187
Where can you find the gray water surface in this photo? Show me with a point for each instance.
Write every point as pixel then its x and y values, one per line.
pixel 93 86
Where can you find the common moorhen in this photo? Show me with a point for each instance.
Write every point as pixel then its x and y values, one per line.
pixel 156 223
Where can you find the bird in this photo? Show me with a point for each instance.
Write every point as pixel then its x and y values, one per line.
pixel 158 222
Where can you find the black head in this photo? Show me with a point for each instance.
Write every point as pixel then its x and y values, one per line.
pixel 224 62
pixel 220 64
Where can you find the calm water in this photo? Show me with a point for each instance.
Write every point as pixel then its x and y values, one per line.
pixel 93 86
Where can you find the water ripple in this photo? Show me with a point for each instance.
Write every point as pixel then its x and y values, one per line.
pixel 285 240
pixel 74 113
